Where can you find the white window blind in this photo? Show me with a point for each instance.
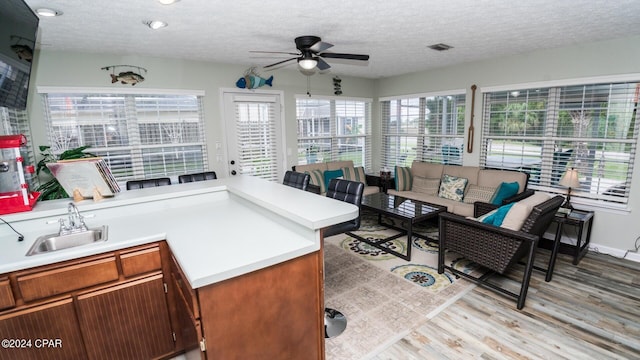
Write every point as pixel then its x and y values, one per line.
pixel 545 131
pixel 334 129
pixel 139 135
pixel 424 128
pixel 256 136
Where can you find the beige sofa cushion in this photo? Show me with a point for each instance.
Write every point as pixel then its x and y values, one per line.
pixel 520 211
pixel 493 178
pixel 309 167
pixel 468 172
pixel 425 185
pixel 426 170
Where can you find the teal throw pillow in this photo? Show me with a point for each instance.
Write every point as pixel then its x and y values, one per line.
pixel 331 174
pixel 504 191
pixel 403 178
pixel 497 217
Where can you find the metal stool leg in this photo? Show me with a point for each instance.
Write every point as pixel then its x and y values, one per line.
pixel 334 323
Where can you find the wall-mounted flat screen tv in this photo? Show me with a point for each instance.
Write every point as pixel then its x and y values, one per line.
pixel 18 29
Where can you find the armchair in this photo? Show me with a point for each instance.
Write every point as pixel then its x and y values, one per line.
pixel 207 175
pixel 349 191
pixel 296 180
pixel 496 248
pixel 147 183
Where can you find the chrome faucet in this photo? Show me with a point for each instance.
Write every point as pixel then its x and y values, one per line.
pixel 76 221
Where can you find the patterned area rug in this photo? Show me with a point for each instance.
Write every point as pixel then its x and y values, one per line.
pixel 383 296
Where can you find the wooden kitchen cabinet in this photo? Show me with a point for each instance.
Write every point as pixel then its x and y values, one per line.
pixel 272 313
pixel 49 331
pixel 127 321
pixel 108 306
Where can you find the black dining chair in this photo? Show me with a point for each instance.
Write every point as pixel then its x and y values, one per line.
pixel 296 179
pixel 147 183
pixel 348 191
pixel 202 176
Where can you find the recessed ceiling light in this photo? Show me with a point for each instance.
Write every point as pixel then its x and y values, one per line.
pixel 167 2
pixel 440 47
pixel 155 24
pixel 48 12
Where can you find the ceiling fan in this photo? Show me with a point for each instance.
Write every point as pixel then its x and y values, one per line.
pixel 311 53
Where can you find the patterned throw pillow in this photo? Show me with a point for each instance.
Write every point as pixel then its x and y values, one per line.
pixel 425 186
pixel 403 178
pixel 452 187
pixel 317 179
pixel 354 174
pixel 479 193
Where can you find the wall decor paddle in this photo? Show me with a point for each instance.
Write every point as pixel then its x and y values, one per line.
pixel 470 138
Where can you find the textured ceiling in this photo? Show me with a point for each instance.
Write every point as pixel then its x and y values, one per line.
pixel 394 33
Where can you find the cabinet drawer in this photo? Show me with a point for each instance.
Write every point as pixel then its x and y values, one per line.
pixel 6 295
pixel 141 261
pixel 185 292
pixel 67 278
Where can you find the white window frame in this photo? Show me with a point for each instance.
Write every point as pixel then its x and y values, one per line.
pixel 138 149
pixel 402 144
pixel 585 196
pixel 307 144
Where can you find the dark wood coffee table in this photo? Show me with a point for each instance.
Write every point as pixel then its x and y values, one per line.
pixel 410 211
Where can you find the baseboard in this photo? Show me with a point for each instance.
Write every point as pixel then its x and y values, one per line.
pixel 628 255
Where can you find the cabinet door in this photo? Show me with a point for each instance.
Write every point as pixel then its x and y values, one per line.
pixel 47 331
pixel 128 321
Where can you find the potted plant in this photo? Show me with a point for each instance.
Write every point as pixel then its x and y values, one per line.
pixel 52 189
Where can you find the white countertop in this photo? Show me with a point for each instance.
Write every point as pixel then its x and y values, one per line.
pixel 216 229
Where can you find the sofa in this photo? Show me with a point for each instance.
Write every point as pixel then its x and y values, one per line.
pixel 322 173
pixel 459 187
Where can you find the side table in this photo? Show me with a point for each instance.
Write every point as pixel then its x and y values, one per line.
pixel 384 181
pixel 581 222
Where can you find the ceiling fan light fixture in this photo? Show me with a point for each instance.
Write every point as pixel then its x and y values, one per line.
pixel 155 24
pixel 168 2
pixel 440 47
pixel 308 63
pixel 46 12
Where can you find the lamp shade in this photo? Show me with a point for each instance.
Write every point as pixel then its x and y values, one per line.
pixel 570 179
pixel 308 63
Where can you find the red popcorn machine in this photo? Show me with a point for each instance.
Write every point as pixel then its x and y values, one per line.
pixel 15 194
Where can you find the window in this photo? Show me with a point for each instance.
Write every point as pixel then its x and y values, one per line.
pixel 334 129
pixel 139 135
pixel 546 131
pixel 426 128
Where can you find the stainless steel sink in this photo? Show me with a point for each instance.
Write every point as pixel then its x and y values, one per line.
pixel 53 242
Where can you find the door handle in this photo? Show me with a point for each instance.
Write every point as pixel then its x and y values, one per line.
pixel 233 172
pixel 233 162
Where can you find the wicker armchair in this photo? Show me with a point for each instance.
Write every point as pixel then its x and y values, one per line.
pixel 496 248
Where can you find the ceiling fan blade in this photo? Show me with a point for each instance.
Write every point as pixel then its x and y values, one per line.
pixel 273 52
pixel 279 62
pixel 322 65
pixel 320 46
pixel 345 56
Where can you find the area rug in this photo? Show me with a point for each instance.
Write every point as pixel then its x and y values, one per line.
pixel 383 296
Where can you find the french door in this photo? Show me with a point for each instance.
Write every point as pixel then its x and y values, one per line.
pixel 254 134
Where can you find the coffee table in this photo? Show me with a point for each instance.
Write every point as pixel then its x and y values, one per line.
pixel 408 210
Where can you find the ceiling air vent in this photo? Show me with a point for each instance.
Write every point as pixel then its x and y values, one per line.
pixel 440 47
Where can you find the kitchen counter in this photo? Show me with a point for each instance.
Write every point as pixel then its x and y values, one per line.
pixel 216 229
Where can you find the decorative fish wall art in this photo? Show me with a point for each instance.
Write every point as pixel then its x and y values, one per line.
pixel 251 80
pixel 126 77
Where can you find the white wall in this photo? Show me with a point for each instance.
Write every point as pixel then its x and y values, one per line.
pixel 53 68
pixel 613 232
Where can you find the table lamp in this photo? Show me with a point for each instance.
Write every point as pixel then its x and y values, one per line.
pixel 570 180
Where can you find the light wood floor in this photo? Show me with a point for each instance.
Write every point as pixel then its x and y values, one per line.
pixel 588 311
